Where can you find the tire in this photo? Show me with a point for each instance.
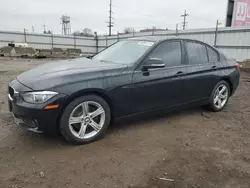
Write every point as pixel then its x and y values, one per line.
pixel 215 106
pixel 73 120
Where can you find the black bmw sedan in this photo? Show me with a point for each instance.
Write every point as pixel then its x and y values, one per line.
pixel 80 97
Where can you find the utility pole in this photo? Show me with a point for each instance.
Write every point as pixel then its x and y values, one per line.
pixel 24 32
pixel 44 28
pixel 75 41
pixel 153 30
pixel 52 40
pixel 110 23
pixel 185 20
pixel 177 28
pixel 216 32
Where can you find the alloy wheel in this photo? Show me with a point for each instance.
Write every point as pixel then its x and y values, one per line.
pixel 87 119
pixel 221 96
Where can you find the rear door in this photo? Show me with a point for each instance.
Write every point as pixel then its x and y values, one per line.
pixel 159 88
pixel 202 71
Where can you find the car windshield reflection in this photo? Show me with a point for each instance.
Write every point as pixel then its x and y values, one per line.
pixel 124 52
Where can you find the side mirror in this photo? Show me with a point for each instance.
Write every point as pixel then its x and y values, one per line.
pixel 153 63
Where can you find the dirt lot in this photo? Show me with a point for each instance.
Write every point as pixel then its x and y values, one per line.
pixel 191 149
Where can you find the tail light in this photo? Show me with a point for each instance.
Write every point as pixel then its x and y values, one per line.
pixel 238 66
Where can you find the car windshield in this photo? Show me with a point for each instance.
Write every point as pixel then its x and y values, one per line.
pixel 124 52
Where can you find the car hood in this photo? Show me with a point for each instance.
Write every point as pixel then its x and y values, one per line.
pixel 50 75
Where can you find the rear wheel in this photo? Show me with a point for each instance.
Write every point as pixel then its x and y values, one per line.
pixel 219 96
pixel 85 119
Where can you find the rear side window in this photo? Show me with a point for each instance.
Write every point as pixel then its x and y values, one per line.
pixel 197 53
pixel 169 52
pixel 212 55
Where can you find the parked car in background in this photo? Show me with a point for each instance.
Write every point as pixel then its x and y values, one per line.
pixel 80 97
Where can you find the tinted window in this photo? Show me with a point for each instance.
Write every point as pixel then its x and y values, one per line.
pixel 212 55
pixel 169 52
pixel 197 53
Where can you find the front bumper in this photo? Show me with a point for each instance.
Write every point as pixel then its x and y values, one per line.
pixel 36 120
pixel 31 125
pixel 33 116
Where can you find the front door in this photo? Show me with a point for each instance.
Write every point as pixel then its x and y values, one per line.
pixel 162 87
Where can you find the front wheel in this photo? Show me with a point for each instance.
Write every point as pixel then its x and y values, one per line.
pixel 219 96
pixel 85 119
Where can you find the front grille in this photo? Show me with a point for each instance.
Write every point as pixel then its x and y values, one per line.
pixel 11 91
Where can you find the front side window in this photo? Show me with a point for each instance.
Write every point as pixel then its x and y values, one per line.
pixel 197 53
pixel 169 52
pixel 124 52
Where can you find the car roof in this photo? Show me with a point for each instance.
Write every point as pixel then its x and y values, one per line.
pixel 162 38
pixel 165 38
pixel 153 38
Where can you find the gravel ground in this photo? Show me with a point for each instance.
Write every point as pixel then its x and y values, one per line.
pixel 192 148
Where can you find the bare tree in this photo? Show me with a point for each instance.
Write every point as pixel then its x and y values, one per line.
pixel 129 30
pixel 77 33
pixel 85 32
pixel 47 32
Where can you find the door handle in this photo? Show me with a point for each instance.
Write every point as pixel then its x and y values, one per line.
pixel 179 73
pixel 214 67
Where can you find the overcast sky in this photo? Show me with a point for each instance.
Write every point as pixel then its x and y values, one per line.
pixel 139 14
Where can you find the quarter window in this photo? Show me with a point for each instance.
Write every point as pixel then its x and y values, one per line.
pixel 197 53
pixel 212 55
pixel 169 52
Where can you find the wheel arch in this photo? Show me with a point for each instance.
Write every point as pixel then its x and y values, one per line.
pixel 227 79
pixel 97 92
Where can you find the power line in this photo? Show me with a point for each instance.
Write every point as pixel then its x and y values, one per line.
pixel 184 24
pixel 110 23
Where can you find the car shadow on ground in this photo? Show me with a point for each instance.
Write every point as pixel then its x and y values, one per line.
pixel 125 124
pixel 151 118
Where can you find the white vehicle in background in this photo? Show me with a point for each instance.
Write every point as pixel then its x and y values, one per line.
pixel 19 44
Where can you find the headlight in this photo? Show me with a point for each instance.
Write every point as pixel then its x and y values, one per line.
pixel 38 97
